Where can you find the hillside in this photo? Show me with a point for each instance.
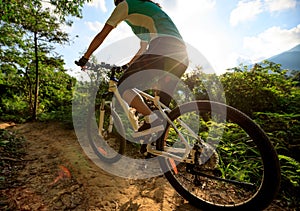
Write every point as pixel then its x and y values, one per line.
pixel 288 59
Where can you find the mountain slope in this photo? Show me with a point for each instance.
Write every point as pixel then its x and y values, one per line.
pixel 289 59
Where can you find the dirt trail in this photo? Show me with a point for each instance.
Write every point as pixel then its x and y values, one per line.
pixel 58 176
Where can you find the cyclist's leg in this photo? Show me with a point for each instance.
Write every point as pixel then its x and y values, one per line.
pixel 136 101
pixel 146 64
pixel 128 81
pixel 157 68
pixel 169 82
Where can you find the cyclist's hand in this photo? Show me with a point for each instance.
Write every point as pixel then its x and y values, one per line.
pixel 119 69
pixel 82 62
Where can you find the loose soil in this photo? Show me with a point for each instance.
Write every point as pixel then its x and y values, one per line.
pixel 56 175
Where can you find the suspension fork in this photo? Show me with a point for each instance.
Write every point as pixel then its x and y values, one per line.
pixel 101 117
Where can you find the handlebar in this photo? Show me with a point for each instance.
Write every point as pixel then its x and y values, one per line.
pixel 95 67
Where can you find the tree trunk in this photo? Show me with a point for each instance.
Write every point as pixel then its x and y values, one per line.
pixel 36 92
pixel 29 83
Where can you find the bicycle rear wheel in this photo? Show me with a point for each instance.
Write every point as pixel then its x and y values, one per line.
pixel 236 166
pixel 108 144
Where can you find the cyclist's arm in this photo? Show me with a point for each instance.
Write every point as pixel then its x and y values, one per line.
pixel 119 14
pixel 143 48
pixel 99 38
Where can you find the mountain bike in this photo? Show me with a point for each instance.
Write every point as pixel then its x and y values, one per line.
pixel 213 155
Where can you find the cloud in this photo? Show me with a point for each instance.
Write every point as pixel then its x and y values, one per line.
pixel 271 42
pixel 248 10
pixel 278 5
pixel 95 26
pixel 245 10
pixel 181 11
pixel 98 4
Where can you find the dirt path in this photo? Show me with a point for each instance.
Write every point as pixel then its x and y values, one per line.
pixel 58 176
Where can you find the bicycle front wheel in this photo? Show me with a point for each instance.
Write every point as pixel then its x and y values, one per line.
pixel 235 166
pixel 107 142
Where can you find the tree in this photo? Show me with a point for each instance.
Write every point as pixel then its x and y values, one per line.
pixel 12 10
pixel 38 30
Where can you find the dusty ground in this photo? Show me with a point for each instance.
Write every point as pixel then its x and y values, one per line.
pixel 56 175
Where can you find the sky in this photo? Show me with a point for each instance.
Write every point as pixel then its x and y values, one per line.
pixel 226 32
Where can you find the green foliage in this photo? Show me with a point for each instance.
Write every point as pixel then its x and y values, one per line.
pixel 56 90
pixel 270 96
pixel 283 130
pixel 29 66
pixel 291 170
pixel 204 86
pixel 28 53
pixel 12 10
pixel 263 88
pixel 14 109
pixel 62 115
pixel 290 184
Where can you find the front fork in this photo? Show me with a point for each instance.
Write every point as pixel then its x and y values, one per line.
pixel 101 129
pixel 101 117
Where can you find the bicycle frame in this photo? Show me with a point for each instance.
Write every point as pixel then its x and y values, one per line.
pixel 188 151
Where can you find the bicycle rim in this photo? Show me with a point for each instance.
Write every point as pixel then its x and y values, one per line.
pixel 237 168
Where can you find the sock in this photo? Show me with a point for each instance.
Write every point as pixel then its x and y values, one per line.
pixel 151 118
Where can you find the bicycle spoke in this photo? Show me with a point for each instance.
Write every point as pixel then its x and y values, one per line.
pixel 244 184
pixel 228 169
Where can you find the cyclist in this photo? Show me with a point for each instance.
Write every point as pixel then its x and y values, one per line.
pixel 161 48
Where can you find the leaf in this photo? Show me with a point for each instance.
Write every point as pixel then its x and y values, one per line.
pixel 2 142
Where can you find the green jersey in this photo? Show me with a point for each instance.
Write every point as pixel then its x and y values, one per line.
pixel 146 19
